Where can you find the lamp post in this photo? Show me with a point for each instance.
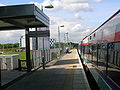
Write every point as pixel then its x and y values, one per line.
pixel 59 37
pixel 64 42
pixel 66 38
pixel 47 6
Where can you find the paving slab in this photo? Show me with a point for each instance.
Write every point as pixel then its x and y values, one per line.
pixel 8 76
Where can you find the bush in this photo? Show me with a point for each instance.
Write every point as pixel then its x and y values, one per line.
pixel 61 51
pixel 54 55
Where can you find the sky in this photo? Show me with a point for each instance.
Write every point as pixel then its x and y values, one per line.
pixel 79 17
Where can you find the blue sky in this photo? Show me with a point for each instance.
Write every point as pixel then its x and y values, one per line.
pixel 79 17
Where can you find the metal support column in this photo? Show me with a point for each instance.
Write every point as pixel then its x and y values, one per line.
pixel 97 53
pixel 28 50
pixel 59 39
pixel 64 43
pixel 36 40
pixel 92 53
pixel 67 37
pixel 107 58
pixel 0 77
pixel 43 58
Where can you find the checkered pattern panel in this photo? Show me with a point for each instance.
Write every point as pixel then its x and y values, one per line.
pixel 52 42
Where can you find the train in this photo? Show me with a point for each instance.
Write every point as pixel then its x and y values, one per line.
pixel 101 49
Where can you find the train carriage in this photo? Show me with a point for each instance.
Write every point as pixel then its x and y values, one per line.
pixel 102 49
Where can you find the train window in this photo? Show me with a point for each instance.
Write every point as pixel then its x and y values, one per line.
pixel 90 37
pixel 94 34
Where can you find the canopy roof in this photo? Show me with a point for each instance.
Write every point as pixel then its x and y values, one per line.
pixel 21 17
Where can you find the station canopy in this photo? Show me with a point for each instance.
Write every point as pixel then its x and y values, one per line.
pixel 22 17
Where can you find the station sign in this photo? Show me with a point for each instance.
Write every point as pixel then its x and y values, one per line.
pixel 39 33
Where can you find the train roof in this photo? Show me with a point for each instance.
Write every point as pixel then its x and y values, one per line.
pixel 103 23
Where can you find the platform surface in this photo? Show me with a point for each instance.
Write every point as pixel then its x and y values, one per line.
pixel 65 73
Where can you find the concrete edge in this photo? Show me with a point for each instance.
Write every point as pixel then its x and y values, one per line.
pixel 83 71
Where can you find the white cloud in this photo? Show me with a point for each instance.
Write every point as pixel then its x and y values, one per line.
pixel 2 4
pixel 11 36
pixel 46 2
pixel 78 28
pixel 76 31
pixel 77 16
pixel 78 7
pixel 79 1
pixel 79 35
pixel 87 31
pixel 60 20
pixel 70 21
pixel 69 5
pixel 57 5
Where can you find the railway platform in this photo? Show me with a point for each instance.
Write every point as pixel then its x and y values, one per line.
pixel 66 73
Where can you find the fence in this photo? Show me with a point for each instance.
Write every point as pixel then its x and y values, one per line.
pixel 36 58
